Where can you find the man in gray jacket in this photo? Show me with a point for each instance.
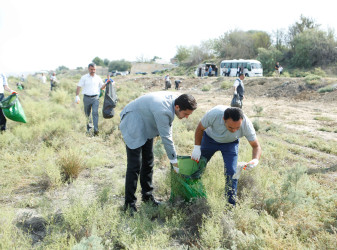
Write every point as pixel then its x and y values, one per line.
pixel 143 119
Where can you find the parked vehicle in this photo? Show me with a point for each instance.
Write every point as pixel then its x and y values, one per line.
pixel 250 67
pixel 141 73
pixel 201 69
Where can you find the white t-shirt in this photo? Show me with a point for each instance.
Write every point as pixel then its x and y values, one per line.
pixel 3 82
pixel 43 79
pixel 90 84
pixel 215 126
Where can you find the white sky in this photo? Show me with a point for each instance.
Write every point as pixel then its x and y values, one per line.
pixel 44 34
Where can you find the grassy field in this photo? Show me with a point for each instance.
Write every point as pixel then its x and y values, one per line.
pixel 63 189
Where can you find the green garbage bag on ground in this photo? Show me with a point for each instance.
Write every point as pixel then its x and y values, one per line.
pixel 187 183
pixel 12 108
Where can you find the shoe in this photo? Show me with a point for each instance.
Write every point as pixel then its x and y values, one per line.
pixel 96 133
pixel 151 200
pixel 131 208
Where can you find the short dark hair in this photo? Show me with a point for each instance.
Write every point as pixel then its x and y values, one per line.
pixel 91 65
pixel 241 74
pixel 186 101
pixel 234 113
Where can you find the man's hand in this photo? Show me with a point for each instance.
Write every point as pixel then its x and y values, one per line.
pixel 196 153
pixel 77 99
pixel 176 170
pixel 252 164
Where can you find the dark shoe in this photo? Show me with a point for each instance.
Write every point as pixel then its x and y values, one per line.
pixel 96 133
pixel 131 208
pixel 152 201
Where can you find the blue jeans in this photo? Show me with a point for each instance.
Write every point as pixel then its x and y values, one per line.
pixel 229 153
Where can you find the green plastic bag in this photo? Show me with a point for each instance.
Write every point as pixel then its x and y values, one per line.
pixel 12 108
pixel 187 183
pixel 101 92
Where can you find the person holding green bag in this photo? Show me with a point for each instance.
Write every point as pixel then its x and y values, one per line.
pixel 3 86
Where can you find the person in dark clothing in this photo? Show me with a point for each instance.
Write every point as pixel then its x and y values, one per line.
pixel 239 88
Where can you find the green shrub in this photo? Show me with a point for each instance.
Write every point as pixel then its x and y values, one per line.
pixel 319 72
pixel 206 88
pixel 71 164
pixel 226 85
pixel 312 79
pixel 329 88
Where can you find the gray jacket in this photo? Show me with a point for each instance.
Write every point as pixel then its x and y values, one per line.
pixel 147 117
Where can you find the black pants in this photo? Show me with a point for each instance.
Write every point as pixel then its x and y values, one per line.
pixel 139 163
pixel 3 120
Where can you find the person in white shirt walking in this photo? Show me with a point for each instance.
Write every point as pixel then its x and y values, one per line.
pixel 90 85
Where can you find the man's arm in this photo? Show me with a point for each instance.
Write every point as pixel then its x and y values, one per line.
pixel 78 90
pixel 256 152
pixel 198 134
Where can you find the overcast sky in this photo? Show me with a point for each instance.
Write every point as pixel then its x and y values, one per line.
pixel 44 34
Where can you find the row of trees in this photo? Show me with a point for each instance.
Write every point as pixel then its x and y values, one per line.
pixel 304 45
pixel 119 65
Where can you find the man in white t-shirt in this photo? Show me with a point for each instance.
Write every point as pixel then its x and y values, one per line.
pixel 90 85
pixel 220 130
pixel 3 86
pixel 239 88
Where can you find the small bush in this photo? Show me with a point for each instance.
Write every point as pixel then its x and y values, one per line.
pixel 256 125
pixel 326 89
pixel 312 79
pixel 258 110
pixel 71 165
pixel 206 88
pixel 226 85
pixel 319 72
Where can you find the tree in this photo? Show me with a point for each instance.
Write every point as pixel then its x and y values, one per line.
pixel 183 53
pixel 98 61
pixel 313 48
pixel 106 62
pixel 239 44
pixel 61 69
pixel 268 58
pixel 305 23
pixel 120 65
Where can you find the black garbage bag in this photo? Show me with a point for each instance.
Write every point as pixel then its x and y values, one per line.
pixel 110 101
pixel 236 102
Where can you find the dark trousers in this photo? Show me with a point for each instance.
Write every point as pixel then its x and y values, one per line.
pixel 139 163
pixel 91 104
pixel 3 120
pixel 229 153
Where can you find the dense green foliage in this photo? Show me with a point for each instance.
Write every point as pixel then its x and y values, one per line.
pixel 304 45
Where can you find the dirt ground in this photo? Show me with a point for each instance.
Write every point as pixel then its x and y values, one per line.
pixel 287 101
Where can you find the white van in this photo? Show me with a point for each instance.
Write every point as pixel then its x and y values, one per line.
pixel 249 67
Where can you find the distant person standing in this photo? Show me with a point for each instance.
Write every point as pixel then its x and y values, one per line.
pixel 53 81
pixel 3 86
pixel 216 70
pixel 91 84
pixel 280 70
pixel 167 82
pixel 277 67
pixel 43 78
pixel 239 88
pixel 238 70
pixel 210 70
